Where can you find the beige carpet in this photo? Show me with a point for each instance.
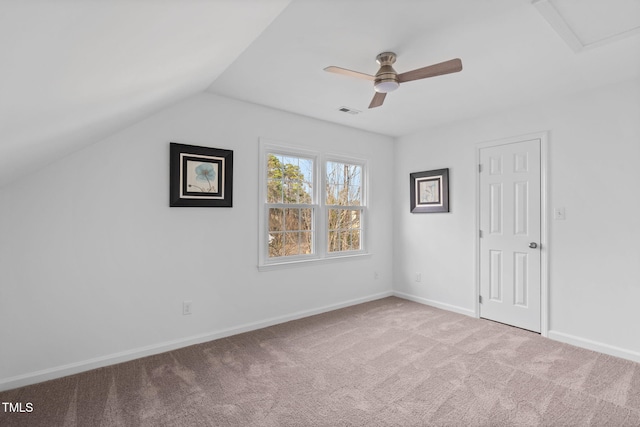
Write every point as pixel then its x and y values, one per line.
pixel 385 363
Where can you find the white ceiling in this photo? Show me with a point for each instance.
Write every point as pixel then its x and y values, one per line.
pixel 510 53
pixel 75 71
pixel 590 23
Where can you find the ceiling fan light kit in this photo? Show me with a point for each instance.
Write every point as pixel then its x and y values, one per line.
pixel 387 79
pixel 386 86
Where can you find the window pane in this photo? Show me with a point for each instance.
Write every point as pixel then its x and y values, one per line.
pixel 348 240
pixel 306 220
pixel 274 167
pixel 276 244
pixel 355 218
pixel 292 219
pixel 344 219
pixel 292 244
pixel 290 231
pixel 289 179
pixel 334 219
pixel 334 241
pixel 307 192
pixel 354 195
pixel 298 243
pixel 276 219
pixel 306 243
pixel 332 174
pixel 274 191
pixel 344 230
pixel 290 195
pixel 355 240
pixel 306 168
pixel 341 198
pixel 275 175
pixel 344 184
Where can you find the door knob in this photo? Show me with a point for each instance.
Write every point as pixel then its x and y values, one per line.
pixel 533 245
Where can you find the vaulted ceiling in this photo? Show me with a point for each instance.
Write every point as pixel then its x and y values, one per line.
pixel 75 71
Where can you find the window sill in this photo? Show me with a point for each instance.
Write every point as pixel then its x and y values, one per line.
pixel 315 261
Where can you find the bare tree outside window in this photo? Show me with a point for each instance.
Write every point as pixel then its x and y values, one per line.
pixel 344 201
pixel 314 206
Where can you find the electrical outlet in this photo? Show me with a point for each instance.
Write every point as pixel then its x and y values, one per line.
pixel 376 275
pixel 186 308
pixel 418 277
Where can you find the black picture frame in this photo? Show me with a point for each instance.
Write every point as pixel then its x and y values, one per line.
pixel 200 176
pixel 429 191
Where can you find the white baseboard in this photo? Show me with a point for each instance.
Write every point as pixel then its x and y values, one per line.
pixel 595 346
pixel 124 356
pixel 554 335
pixel 435 304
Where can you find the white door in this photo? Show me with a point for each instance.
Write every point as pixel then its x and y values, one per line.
pixel 510 234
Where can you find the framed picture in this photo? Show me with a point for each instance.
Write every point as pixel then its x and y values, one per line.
pixel 430 191
pixel 200 176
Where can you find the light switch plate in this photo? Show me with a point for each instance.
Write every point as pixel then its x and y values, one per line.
pixel 559 214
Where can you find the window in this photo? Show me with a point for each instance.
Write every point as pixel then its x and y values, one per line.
pixel 312 206
pixel 290 208
pixel 343 198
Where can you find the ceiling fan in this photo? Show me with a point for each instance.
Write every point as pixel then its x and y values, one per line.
pixel 387 79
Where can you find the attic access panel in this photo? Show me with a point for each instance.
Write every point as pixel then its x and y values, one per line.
pixel 585 24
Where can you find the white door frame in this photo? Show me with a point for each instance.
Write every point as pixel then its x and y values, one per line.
pixel 544 223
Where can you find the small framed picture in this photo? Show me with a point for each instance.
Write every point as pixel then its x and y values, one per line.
pixel 200 176
pixel 430 191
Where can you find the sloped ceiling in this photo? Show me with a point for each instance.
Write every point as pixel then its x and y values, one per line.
pixel 73 72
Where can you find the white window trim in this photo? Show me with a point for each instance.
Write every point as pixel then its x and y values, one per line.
pixel 320 250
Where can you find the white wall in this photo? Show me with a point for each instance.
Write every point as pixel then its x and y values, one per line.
pixel 94 265
pixel 594 153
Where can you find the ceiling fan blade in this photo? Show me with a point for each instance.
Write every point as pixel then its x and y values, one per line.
pixel 377 100
pixel 446 67
pixel 339 70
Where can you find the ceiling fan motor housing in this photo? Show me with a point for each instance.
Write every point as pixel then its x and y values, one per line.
pixel 386 79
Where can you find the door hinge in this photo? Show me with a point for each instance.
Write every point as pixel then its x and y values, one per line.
pixel 480 299
pixel 480 233
pixel 480 167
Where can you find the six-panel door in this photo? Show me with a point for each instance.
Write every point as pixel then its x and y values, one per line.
pixel 510 234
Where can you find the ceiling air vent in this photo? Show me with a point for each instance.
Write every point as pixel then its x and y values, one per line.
pixel 349 110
